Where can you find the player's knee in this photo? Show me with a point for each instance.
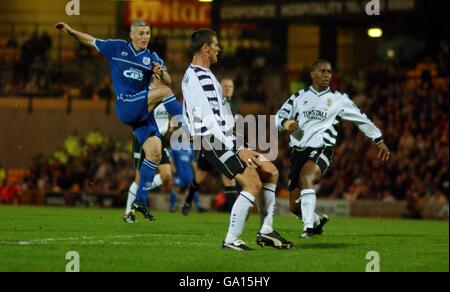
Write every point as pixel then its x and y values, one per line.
pixel 154 155
pixel 255 186
pixel 166 177
pixel 274 174
pixel 167 91
pixel 306 181
pixel 307 178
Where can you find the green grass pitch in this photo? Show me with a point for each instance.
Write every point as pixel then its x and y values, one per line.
pixel 38 238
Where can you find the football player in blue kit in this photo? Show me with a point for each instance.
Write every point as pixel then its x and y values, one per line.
pixel 132 66
pixel 183 160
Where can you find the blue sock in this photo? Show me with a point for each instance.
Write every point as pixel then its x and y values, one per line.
pixel 196 200
pixel 172 199
pixel 147 171
pixel 173 106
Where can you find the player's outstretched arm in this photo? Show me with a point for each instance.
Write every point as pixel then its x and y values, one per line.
pixel 81 37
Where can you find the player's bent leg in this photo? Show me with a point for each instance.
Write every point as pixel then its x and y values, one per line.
pixel 230 191
pixel 267 236
pixel 152 149
pixel 165 171
pixel 157 95
pixel 266 205
pixel 268 172
pixel 251 186
pixel 249 181
pixel 309 175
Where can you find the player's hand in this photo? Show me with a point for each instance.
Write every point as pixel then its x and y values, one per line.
pixel 291 126
pixel 383 152
pixel 157 68
pixel 63 26
pixel 249 158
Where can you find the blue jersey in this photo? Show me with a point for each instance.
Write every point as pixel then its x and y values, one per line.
pixel 131 70
pixel 182 160
pixel 131 73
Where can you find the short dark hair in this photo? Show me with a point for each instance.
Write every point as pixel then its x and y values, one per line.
pixel 317 63
pixel 139 23
pixel 201 37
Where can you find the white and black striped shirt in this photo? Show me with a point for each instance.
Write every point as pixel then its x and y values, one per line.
pixel 205 108
pixel 319 115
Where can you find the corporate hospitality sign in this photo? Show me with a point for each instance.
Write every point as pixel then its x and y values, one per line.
pixel 296 9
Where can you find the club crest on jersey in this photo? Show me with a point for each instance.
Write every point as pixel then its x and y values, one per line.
pixel 146 60
pixel 124 54
pixel 329 102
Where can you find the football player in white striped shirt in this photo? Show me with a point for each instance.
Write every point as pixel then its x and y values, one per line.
pixel 202 167
pixel 210 123
pixel 312 117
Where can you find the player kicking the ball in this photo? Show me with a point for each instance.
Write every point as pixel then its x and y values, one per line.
pixel 132 67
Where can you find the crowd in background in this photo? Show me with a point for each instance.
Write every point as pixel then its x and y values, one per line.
pixel 412 109
pixel 27 69
pixel 408 103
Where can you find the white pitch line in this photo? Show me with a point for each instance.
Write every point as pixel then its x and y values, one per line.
pixel 44 241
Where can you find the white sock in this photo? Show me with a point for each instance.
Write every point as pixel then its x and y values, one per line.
pixel 239 212
pixel 316 219
pixel 131 196
pixel 269 210
pixel 261 207
pixel 308 200
pixel 157 182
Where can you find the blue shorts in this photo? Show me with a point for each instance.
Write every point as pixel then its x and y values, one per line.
pixel 182 182
pixel 132 110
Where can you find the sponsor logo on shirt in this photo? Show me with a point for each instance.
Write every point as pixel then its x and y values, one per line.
pixel 133 73
pixel 315 115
